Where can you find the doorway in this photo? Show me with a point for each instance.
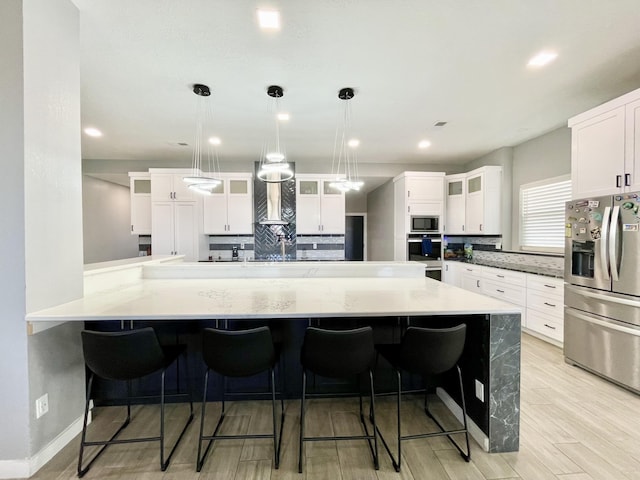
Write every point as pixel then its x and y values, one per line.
pixel 355 237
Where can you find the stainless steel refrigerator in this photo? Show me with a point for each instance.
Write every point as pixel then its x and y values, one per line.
pixel 602 289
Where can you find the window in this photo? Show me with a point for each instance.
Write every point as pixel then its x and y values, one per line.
pixel 542 214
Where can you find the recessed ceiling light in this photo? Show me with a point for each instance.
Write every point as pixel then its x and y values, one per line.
pixel 269 19
pixel 353 143
pixel 93 132
pixel 424 144
pixel 283 116
pixel 215 141
pixel 542 59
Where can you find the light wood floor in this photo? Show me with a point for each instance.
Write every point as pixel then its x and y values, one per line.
pixel 574 426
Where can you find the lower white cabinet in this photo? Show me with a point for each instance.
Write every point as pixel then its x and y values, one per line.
pixel 545 307
pixel 452 273
pixel 470 277
pixel 174 229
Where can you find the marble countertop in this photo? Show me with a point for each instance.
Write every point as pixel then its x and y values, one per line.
pixel 201 298
pixel 545 271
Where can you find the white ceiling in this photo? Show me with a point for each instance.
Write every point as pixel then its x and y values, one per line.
pixel 412 63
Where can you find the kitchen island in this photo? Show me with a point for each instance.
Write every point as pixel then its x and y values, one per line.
pixel 298 294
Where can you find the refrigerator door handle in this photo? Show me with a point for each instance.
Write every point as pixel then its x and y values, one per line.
pixel 613 243
pixel 589 293
pixel 604 323
pixel 604 258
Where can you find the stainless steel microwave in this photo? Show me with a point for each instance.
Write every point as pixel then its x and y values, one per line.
pixel 425 223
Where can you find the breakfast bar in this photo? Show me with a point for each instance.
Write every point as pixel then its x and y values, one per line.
pixel 388 295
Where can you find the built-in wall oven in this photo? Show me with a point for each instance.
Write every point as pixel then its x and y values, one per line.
pixel 427 249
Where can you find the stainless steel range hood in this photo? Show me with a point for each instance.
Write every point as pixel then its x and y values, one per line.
pixel 274 201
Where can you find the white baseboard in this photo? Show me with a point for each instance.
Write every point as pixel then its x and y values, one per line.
pixel 477 434
pixel 24 468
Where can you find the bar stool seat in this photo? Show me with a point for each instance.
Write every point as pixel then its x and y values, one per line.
pixel 233 354
pixel 426 352
pixel 339 354
pixel 126 356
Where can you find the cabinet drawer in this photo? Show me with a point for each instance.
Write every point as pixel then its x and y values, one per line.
pixel 550 304
pixel 541 283
pixel 507 276
pixel 504 291
pixel 470 269
pixel 544 324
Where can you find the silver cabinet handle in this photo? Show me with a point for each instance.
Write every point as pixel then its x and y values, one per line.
pixel 132 228
pixel 500 276
pixel 549 304
pixel 549 286
pixel 549 326
pixel 498 290
pixel 478 283
pixel 480 227
pixel 627 179
pixel 463 228
pixel 618 181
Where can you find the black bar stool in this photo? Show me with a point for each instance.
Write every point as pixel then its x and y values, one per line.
pixel 339 354
pixel 242 353
pixel 125 356
pixel 427 352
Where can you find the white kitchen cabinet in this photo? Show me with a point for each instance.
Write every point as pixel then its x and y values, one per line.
pixel 605 148
pixel 483 201
pixel 229 208
pixel 471 277
pixel 320 209
pixel 452 273
pixel 140 192
pixel 167 184
pixel 545 307
pixel 456 194
pixel 175 214
pixel 174 229
pixel 507 285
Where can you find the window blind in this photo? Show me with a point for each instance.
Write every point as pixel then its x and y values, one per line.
pixel 542 214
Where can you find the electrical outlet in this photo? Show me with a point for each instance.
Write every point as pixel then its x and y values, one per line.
pixel 42 405
pixel 315 246
pixel 480 390
pixel 242 246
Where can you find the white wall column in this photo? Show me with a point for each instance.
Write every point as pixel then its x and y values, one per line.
pixel 41 238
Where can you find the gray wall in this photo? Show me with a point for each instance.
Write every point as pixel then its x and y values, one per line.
pixel 543 157
pixel 106 221
pixel 380 222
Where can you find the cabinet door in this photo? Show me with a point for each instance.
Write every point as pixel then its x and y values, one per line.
pixel 455 208
pixel 180 189
pixel 214 211
pixel 471 282
pixel 425 189
pixel 162 228
pixel 186 235
pixel 308 207
pixel 474 204
pixel 161 187
pixel 451 273
pixel 598 154
pixel 140 206
pixel 239 206
pixel 632 167
pixel 332 210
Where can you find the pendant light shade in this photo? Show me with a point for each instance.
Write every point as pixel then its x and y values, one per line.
pixel 273 165
pixel 196 181
pixel 344 166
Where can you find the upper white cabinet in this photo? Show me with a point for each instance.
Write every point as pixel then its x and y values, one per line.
pixel 170 186
pixel 320 209
pixel 456 195
pixel 229 208
pixel 140 188
pixel 605 148
pixel 474 202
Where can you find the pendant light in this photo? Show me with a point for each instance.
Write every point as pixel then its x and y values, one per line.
pixel 196 180
pixel 344 166
pixel 273 166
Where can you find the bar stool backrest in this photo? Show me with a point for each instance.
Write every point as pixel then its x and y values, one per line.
pixel 338 353
pixel 122 355
pixel 428 351
pixel 240 353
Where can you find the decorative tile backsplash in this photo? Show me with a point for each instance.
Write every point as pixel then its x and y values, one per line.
pixel 320 247
pixel 221 247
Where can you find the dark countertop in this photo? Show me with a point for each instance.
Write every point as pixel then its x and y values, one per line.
pixel 517 267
